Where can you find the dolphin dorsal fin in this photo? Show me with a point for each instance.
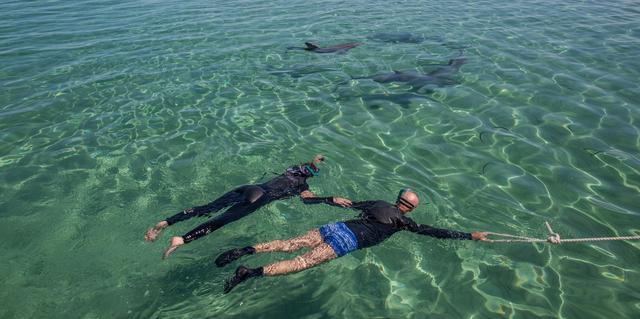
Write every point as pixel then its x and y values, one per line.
pixel 311 46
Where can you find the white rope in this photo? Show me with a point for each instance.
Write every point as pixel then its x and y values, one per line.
pixel 553 238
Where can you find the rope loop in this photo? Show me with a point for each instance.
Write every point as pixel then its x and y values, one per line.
pixel 554 239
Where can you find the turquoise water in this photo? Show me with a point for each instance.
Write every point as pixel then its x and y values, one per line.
pixel 117 114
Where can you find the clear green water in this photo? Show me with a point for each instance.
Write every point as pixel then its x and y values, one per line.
pixel 116 114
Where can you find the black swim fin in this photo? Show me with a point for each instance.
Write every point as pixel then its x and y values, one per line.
pixel 242 273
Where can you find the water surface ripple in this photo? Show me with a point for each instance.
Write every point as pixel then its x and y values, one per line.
pixel 115 114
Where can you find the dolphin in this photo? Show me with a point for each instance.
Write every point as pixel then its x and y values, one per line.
pixel 402 37
pixel 440 77
pixel 339 48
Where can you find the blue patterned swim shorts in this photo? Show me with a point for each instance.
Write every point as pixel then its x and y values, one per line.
pixel 339 237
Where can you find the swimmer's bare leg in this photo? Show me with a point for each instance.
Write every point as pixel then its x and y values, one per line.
pixel 174 244
pixel 153 232
pixel 320 254
pixel 311 239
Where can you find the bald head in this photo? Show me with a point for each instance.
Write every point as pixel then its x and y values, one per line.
pixel 407 200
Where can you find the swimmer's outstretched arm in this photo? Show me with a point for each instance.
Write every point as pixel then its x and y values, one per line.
pixel 427 230
pixel 311 198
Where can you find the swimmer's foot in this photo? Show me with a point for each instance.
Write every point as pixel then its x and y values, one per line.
pixel 242 273
pixel 233 254
pixel 175 243
pixel 153 232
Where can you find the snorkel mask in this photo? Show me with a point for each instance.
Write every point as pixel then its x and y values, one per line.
pixel 306 170
pixel 403 201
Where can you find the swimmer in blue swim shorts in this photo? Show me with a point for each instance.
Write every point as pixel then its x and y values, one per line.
pixel 377 221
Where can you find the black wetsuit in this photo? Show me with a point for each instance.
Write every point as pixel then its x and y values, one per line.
pixel 379 220
pixel 247 199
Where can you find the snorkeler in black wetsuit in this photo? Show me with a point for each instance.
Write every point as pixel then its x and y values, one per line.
pixel 377 221
pixel 245 200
